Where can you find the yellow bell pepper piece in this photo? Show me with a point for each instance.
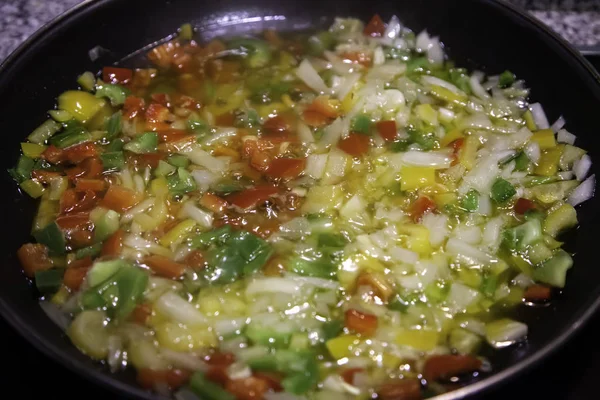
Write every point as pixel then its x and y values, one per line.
pixel 427 113
pixel 159 187
pixel 391 361
pixel 451 136
pixel 544 138
pixel 443 199
pixel 529 121
pixel 178 233
pixel 287 100
pixel 61 296
pixel 448 95
pixel 548 163
pixel 342 346
pixel 32 150
pixel 416 177
pixel 468 153
pixel 179 337
pixel 32 188
pixel 418 339
pixel 81 105
pixel 417 238
pixel 271 110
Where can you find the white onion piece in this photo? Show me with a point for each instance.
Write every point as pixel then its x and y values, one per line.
pixel 221 134
pixel 337 384
pixel 378 56
pixel 177 309
pixel 295 228
pixel 316 282
pixel 583 192
pixel 434 159
pixel 432 80
pixel 558 124
pixel 484 206
pixel 582 166
pixel 202 158
pixel 523 281
pixel 446 115
pixel 115 352
pixel 140 208
pixel 184 360
pixel 204 179
pixel 435 53
pixel 272 285
pixel 307 73
pixel 332 133
pixel 539 116
pixel 304 133
pixel 315 165
pixel 564 136
pixel 338 65
pixel 477 89
pixel 533 152
pixel 400 254
pixel 437 224
pixel 567 175
pixel 346 84
pixel 464 250
pixel 392 31
pixel 204 218
pixel 423 41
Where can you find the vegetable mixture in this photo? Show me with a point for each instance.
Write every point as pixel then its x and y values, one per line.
pixel 330 215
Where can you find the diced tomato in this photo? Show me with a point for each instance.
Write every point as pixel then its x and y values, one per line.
pixel 387 130
pixel 142 77
pixel 218 374
pixel 252 197
pixel 223 71
pixel 141 313
pixel 405 389
pixel 523 205
pixel 44 176
pixel 72 201
pixel 420 207
pixel 251 388
pixel 320 112
pixel 76 272
pixel 34 257
pixel 157 113
pixel 220 150
pixel 75 172
pixel 447 366
pixel 260 160
pixel 195 260
pixel 172 135
pixel 220 359
pixel 120 198
pixel 73 221
pixel 164 266
pixel 226 119
pixel 95 185
pixel 145 160
pixel 160 98
pixel 114 244
pixel 365 324
pixel 52 154
pixel 355 144
pixel 537 293
pixel 116 75
pixel 92 167
pixel 132 107
pixel 80 152
pixel 348 374
pixel 80 237
pixel 286 167
pixel 456 146
pixel 277 125
pixel 183 101
pixel 213 203
pixel 162 55
pixel 375 27
pixel 174 378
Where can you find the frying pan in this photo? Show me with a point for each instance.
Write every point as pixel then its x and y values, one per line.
pixel 484 34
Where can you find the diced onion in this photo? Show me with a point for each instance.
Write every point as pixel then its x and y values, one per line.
pixel 140 208
pixel 434 159
pixel 400 254
pixel 304 133
pixel 307 73
pixel 176 308
pixel 392 31
pixel 432 80
pixel 204 179
pixel 477 89
pixel 184 360
pixel 583 192
pixel 558 124
pixel 464 250
pixel 539 116
pixel 564 136
pixel 582 166
pixel 202 158
pixel 204 218
pixel 221 134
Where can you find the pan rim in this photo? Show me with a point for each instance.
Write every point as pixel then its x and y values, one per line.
pixel 109 382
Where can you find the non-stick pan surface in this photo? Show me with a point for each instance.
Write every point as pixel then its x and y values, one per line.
pixel 488 35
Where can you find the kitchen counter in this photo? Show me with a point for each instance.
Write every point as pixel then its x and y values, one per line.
pixel 577 21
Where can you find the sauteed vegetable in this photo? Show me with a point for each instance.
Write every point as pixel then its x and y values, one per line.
pixel 325 215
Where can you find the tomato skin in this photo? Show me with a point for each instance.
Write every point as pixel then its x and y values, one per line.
pixel 132 107
pixel 355 144
pixel 164 266
pixel 251 388
pixel 405 389
pixel 213 202
pixel 119 198
pixel 76 272
pixel 174 378
pixel 537 293
pixel 52 154
pixel 113 246
pixel 348 374
pixel 448 365
pixel 72 201
pixel 195 260
pixel 286 167
pixel 320 112
pixel 375 27
pixel 387 130
pixel 73 221
pixel 252 197
pixel 141 313
pixel 365 324
pixel 80 152
pixel 116 75
pixel 34 257
pixel 95 185
pixel 523 205
pixel 420 207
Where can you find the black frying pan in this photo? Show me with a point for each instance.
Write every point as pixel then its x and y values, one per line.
pixel 484 34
